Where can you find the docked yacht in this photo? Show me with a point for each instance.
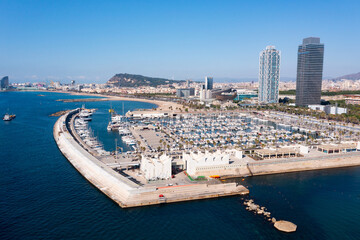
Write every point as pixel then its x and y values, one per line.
pixel 85 115
pixel 123 131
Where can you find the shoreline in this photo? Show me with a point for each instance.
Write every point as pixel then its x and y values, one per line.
pixel 159 103
pixel 162 105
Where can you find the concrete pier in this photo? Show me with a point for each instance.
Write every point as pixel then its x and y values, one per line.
pixel 119 188
pixel 305 164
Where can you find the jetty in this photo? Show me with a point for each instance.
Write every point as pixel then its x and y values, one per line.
pixel 281 225
pixel 57 114
pixel 119 187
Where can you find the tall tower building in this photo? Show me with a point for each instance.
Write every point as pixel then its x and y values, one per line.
pixel 4 82
pixel 209 83
pixel 269 75
pixel 309 72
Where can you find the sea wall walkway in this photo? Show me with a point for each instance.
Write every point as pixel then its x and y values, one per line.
pixel 305 164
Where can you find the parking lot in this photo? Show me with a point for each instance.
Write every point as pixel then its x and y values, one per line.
pixel 152 138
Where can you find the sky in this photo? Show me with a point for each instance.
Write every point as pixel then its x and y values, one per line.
pixel 90 41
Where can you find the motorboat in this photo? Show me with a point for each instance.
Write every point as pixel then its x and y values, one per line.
pixel 9 117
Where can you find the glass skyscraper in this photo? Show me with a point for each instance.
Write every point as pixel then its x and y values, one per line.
pixel 208 83
pixel 4 82
pixel 269 75
pixel 309 72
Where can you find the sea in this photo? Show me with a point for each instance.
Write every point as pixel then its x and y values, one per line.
pixel 42 196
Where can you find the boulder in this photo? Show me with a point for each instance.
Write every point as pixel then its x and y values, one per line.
pixel 253 207
pixel 285 226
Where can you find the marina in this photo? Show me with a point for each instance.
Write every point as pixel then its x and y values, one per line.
pixel 111 179
pixel 173 152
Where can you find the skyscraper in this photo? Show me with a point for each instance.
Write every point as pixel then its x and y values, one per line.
pixel 208 83
pixel 309 72
pixel 4 82
pixel 269 75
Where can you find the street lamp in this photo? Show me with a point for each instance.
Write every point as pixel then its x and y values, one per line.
pixel 115 148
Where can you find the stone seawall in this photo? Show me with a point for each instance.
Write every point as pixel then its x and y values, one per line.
pixel 92 169
pixel 345 160
pixel 286 165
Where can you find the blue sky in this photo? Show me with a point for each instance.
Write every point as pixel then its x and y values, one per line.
pixel 90 41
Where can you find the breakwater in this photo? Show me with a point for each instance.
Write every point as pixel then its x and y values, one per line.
pixel 287 165
pixel 305 164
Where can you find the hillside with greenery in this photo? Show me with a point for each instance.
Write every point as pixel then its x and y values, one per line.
pixel 133 80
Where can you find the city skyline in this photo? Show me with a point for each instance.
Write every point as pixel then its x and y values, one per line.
pixel 92 42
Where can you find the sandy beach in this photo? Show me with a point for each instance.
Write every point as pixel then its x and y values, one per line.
pixel 161 105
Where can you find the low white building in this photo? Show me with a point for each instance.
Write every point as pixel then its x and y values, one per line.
pixel 304 150
pixel 149 114
pixel 205 94
pixel 328 109
pixel 335 110
pixel 155 168
pixel 193 161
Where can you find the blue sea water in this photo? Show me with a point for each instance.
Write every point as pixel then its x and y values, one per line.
pixel 43 197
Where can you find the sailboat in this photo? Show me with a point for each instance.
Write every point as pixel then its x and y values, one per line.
pixel 111 110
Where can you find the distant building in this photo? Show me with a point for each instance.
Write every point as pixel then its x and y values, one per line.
pixel 309 72
pixel 205 94
pixel 57 85
pixel 269 75
pixel 156 168
pixel 245 94
pixel 79 87
pixel 352 99
pixel 4 83
pixel 185 92
pixel 328 109
pixel 209 83
pixel 223 94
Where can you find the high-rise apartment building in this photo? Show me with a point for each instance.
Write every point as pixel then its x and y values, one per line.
pixel 4 82
pixel 209 83
pixel 309 72
pixel 269 75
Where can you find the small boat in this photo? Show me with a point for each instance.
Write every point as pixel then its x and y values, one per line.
pixel 9 117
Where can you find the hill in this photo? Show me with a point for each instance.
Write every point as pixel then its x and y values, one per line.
pixel 354 76
pixel 132 80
